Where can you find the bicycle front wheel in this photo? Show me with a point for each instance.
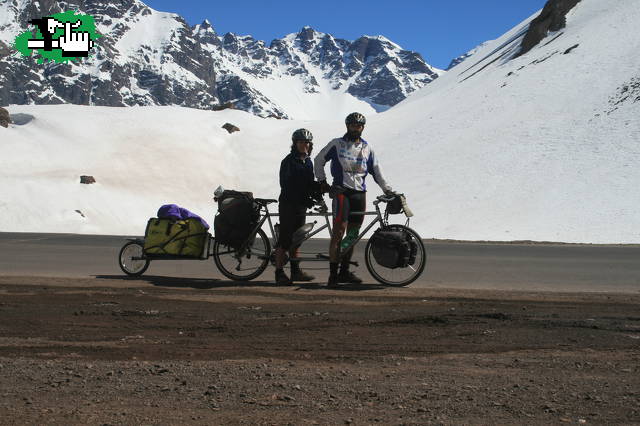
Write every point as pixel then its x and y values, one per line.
pixel 246 264
pixel 397 277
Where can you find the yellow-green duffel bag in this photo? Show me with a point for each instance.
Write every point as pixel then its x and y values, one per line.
pixel 177 238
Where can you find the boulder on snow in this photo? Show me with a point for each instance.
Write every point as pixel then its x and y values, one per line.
pixel 5 118
pixel 21 119
pixel 87 179
pixel 552 18
pixel 230 128
pixel 575 46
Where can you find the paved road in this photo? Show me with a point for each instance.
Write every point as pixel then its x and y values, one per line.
pixel 528 267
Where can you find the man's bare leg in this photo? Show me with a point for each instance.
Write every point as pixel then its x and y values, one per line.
pixel 345 275
pixel 338 232
pixel 339 229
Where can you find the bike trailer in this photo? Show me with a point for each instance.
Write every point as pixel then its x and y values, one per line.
pixel 176 238
pixel 393 249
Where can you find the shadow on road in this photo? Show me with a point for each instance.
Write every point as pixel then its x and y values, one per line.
pixel 341 287
pixel 176 282
pixel 209 283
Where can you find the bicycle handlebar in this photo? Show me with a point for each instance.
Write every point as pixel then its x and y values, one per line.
pixel 321 207
pixel 385 198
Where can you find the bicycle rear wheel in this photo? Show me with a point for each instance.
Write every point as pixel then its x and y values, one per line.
pixel 246 264
pixel 397 277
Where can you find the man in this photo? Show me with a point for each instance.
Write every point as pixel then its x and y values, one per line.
pixel 351 160
pixel 297 188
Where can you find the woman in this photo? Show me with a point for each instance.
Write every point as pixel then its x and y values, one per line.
pixel 296 189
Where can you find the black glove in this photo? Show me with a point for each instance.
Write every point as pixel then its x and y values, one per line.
pixel 315 195
pixel 310 202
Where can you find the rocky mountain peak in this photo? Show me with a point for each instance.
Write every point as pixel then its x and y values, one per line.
pixel 306 33
pixel 206 33
pixel 148 57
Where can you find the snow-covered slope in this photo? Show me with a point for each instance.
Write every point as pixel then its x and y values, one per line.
pixel 460 59
pixel 541 147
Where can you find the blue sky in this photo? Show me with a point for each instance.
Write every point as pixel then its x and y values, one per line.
pixel 438 30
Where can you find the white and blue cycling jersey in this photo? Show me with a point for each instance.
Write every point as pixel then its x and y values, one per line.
pixel 350 163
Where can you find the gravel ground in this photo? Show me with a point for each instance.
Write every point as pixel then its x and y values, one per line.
pixel 106 351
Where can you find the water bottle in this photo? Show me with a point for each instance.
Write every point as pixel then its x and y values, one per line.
pixel 352 234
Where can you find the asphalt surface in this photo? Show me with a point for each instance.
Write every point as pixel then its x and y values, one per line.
pixel 525 267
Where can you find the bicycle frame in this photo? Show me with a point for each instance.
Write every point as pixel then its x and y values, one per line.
pixel 380 219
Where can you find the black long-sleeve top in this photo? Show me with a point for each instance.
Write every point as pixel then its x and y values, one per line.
pixel 296 179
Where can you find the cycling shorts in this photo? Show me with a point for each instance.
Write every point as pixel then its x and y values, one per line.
pixel 347 203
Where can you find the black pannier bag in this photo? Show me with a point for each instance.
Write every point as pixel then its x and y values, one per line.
pixel 393 248
pixel 413 249
pixel 236 218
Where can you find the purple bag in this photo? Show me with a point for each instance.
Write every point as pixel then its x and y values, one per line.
pixel 173 211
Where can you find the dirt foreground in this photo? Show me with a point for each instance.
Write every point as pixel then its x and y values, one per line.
pixel 189 351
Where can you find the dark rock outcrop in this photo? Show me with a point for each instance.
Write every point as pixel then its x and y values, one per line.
pixel 626 94
pixel 5 118
pixel 230 128
pixel 228 105
pixel 552 18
